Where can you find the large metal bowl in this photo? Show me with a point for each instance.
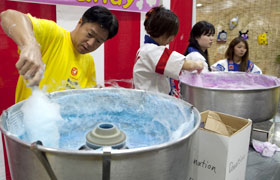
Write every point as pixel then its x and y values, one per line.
pixel 258 102
pixel 164 159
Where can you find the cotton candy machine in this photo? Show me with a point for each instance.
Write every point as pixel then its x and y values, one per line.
pixel 241 94
pixel 154 133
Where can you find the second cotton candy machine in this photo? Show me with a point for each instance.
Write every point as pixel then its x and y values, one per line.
pixel 101 134
pixel 247 95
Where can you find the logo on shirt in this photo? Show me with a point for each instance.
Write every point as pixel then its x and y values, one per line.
pixel 220 67
pixel 70 84
pixel 74 71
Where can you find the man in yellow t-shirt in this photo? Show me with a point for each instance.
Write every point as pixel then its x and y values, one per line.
pixel 53 58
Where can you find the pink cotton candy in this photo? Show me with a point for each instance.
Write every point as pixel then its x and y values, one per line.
pixel 265 148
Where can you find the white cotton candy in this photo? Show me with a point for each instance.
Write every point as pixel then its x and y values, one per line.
pixel 41 118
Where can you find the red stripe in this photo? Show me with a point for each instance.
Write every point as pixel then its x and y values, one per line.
pixel 120 51
pixel 162 61
pixel 183 9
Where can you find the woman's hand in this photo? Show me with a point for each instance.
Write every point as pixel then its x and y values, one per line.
pixel 190 65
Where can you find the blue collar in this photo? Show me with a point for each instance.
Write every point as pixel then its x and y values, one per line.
pixel 148 39
pixel 192 49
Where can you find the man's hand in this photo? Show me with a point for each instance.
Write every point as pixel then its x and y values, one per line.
pixel 30 64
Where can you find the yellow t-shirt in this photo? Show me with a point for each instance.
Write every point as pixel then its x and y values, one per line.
pixel 65 68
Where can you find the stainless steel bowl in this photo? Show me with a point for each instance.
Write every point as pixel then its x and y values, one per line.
pixel 165 160
pixel 258 104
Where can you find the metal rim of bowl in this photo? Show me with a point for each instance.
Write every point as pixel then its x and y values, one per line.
pixel 235 90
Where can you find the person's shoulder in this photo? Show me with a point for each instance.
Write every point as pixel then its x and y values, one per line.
pixel 195 56
pixel 150 48
pixel 251 62
pixel 222 61
pixel 255 68
pixel 35 19
pixel 220 65
pixel 46 23
pixel 151 45
pixel 195 53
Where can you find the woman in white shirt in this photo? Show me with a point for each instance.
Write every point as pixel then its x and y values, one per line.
pixel 201 38
pixel 237 58
pixel 156 66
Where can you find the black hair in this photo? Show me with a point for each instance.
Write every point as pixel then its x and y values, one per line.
pixel 161 21
pixel 199 29
pixel 102 16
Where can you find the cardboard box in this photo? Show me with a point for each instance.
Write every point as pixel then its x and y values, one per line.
pixel 220 157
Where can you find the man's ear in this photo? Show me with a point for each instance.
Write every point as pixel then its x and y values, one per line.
pixel 80 21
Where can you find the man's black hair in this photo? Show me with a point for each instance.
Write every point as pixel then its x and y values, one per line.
pixel 102 16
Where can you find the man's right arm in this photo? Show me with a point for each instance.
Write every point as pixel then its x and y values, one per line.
pixel 19 27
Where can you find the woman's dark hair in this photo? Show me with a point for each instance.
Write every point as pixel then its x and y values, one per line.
pixel 161 21
pixel 199 29
pixel 230 53
pixel 102 16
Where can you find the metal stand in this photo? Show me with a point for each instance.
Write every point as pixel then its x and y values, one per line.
pixel 274 133
pixel 260 131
